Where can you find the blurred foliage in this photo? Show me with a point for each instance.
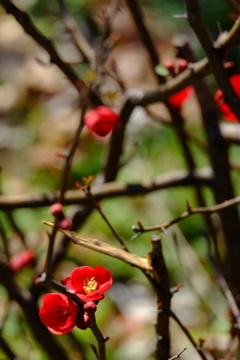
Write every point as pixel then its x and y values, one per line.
pixel 29 164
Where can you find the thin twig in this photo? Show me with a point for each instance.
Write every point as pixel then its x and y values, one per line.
pixel 177 356
pixel 78 38
pixel 89 195
pixel 226 290
pixel 189 336
pixel 64 180
pixel 25 21
pixel 190 211
pixel 99 337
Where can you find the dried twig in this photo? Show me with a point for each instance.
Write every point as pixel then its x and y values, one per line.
pixel 104 248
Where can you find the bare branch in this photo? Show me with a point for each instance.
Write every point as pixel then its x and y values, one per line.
pixel 190 211
pixel 25 21
pixel 104 248
pixel 173 179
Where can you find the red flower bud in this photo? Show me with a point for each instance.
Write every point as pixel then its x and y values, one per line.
pixel 83 321
pixel 64 223
pixel 57 210
pixel 90 307
pixel 19 261
pixel 101 121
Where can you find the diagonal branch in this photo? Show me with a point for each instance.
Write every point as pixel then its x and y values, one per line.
pixel 104 248
pixel 25 21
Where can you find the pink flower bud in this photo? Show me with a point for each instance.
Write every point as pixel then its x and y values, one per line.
pixel 83 320
pixel 90 307
pixel 65 223
pixel 56 210
pixel 101 121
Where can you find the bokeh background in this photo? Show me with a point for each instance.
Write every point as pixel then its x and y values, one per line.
pixel 39 113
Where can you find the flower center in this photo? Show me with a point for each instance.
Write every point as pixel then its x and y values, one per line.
pixel 90 285
pixel 61 311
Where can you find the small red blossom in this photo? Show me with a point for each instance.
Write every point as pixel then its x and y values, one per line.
pixel 223 106
pixel 180 97
pixel 59 313
pixel 101 121
pixel 19 261
pixel 89 283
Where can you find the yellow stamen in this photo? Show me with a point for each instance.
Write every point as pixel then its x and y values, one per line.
pixel 90 285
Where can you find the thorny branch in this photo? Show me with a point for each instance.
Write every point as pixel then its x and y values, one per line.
pixel 190 211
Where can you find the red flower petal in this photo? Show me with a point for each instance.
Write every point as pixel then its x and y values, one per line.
pixel 223 106
pixel 59 313
pixel 235 82
pixel 178 99
pixel 101 120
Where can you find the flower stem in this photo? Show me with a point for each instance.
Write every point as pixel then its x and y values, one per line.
pixel 99 337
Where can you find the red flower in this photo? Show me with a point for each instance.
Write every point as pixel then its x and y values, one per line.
pixel 101 121
pixel 89 283
pixel 19 261
pixel 178 99
pixel 59 313
pixel 223 106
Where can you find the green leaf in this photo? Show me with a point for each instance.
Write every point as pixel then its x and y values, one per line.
pixel 161 70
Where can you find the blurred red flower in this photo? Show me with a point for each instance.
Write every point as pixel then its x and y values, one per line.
pixel 89 283
pixel 223 106
pixel 19 261
pixel 101 121
pixel 178 99
pixel 59 313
